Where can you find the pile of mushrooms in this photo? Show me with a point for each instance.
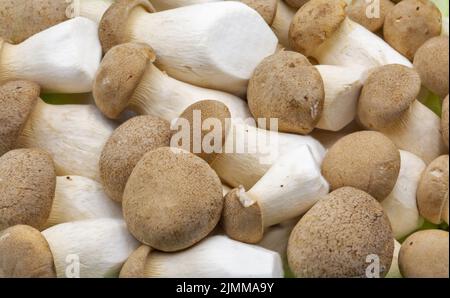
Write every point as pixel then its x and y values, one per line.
pixel 224 138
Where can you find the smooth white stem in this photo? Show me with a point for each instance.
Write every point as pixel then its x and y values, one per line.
pixel 401 205
pixel 160 95
pixel 91 9
pixel 214 45
pixel 171 4
pixel 73 134
pixel 394 271
pixel 64 58
pixel 216 257
pixel 90 248
pixel 282 22
pixel 445 26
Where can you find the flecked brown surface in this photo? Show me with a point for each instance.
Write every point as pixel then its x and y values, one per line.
pixel 357 12
pixel 266 8
pixel 134 267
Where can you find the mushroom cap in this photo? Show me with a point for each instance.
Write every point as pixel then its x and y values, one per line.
pixel 112 28
pixel 125 148
pixel 27 185
pixel 24 253
pixel 296 3
pixel 172 200
pixel 338 234
pixel 134 267
pixel 287 87
pixel 357 11
pixel 17 100
pixel 432 192
pixel 119 75
pixel 444 121
pixel 314 22
pixel 424 254
pixel 387 94
pixel 242 223
pixel 366 160
pixel 20 19
pixel 410 23
pixel 266 8
pixel 431 62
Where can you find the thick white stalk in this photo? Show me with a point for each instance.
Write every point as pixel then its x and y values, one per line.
pixel 282 22
pixel 171 4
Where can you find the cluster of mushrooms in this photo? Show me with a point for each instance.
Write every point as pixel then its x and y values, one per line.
pixel 98 188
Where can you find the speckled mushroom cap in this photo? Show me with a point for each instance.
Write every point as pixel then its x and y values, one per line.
pixel 24 253
pixel 444 120
pixel 27 185
pixel 287 87
pixel 296 3
pixel 134 267
pixel 119 75
pixel 357 11
pixel 432 192
pixel 387 94
pixel 424 254
pixel 337 235
pixel 112 28
pixel 431 62
pixel 366 160
pixel 266 8
pixel 411 23
pixel 17 100
pixel 314 22
pixel 125 148
pixel 172 200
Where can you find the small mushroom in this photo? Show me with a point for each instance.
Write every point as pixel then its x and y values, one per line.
pixel 127 78
pixel 410 24
pixel 432 194
pixel 431 62
pixel 338 234
pixel 444 121
pixel 214 257
pixel 291 186
pixel 55 58
pixel 370 14
pixel 388 104
pixel 424 254
pixel 366 160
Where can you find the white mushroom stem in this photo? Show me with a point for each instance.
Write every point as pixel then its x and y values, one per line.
pixel 225 189
pixel 401 205
pixel 73 134
pixel 214 45
pixel 216 257
pixel 160 5
pixel 79 198
pixel 276 237
pixel 91 9
pixel 90 248
pixel 418 131
pixel 160 95
pixel 64 58
pixel 342 88
pixel 394 271
pixel 354 45
pixel 282 22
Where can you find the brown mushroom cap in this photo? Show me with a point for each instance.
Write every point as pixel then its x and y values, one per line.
pixel 172 200
pixel 112 28
pixel 444 121
pixel 337 235
pixel 287 87
pixel 432 193
pixel 134 267
pixel 387 94
pixel 266 8
pixel 411 23
pixel 119 75
pixel 424 254
pixel 296 3
pixel 366 160
pixel 357 11
pixel 314 22
pixel 125 148
pixel 24 253
pixel 431 62
pixel 17 100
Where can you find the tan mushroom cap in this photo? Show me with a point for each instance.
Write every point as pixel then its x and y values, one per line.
pixel 295 3
pixel 24 253
pixel 27 187
pixel 287 87
pixel 366 160
pixel 411 23
pixel 172 200
pixel 431 62
pixel 134 267
pixel 444 121
pixel 357 11
pixel 314 22
pixel 125 148
pixel 424 254
pixel 337 235
pixel 387 94
pixel 266 8
pixel 17 100
pixel 112 28
pixel 119 75
pixel 432 192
